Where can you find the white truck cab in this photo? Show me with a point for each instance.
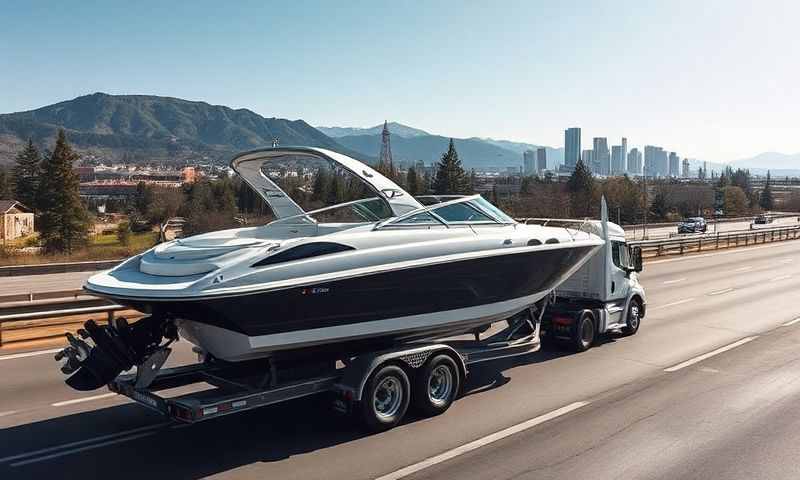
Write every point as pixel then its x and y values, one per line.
pixel 602 296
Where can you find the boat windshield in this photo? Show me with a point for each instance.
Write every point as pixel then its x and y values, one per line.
pixel 470 210
pixel 323 192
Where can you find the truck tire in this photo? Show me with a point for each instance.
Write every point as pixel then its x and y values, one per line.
pixel 633 319
pixel 436 385
pixel 385 399
pixel 585 333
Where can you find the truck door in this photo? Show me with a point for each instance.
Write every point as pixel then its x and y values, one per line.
pixel 619 279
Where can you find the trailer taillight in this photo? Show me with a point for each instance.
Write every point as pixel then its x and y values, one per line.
pixel 561 320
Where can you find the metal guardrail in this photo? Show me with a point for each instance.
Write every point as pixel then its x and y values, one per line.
pixel 26 312
pixel 679 246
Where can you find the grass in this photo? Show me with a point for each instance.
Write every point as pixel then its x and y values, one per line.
pixel 100 247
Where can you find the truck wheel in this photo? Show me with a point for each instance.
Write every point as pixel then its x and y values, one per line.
pixel 585 333
pixel 634 318
pixel 437 385
pixel 385 399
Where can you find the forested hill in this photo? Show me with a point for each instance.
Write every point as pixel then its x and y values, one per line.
pixel 149 128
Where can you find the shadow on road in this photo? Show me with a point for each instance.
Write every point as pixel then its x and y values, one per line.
pixel 117 442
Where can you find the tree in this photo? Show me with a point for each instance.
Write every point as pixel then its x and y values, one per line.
pixel 5 184
pixel 735 201
pixel 124 233
pixel 412 181
pixel 624 198
pixel 766 200
pixel 581 189
pixel 63 220
pixel 27 173
pixel 451 179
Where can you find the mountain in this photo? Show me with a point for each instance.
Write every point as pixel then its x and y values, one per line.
pixel 395 128
pixel 154 129
pixel 411 144
pixel 473 153
pixel 779 164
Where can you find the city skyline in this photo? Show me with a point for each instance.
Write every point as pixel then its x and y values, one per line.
pixel 732 99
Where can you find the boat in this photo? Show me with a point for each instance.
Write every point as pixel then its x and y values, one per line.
pixel 379 268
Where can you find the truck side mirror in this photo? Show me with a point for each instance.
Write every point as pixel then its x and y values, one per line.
pixel 636 254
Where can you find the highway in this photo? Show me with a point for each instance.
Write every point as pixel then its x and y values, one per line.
pixel 706 389
pixel 665 232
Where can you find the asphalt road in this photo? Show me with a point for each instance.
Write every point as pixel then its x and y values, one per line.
pixel 43 283
pixel 623 415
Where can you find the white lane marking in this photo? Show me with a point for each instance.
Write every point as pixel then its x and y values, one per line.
pixel 710 354
pixel 780 277
pixel 99 439
pixel 10 412
pixel 791 322
pixel 679 302
pixel 481 442
pixel 80 449
pixel 84 399
pixel 787 260
pixel 29 354
pixel 670 282
pixel 742 269
pixel 719 292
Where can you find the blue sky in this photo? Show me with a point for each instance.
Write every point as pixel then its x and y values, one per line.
pixel 716 80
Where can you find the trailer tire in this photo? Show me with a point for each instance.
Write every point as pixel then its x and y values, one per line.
pixel 634 318
pixel 385 399
pixel 436 386
pixel 585 333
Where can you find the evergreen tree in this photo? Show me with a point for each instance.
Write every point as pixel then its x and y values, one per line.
pixel 766 200
pixel 581 189
pixel 5 184
pixel 412 181
pixel 27 172
pixel 63 220
pixel 451 179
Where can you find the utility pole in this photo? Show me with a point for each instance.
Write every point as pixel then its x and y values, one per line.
pixel 644 182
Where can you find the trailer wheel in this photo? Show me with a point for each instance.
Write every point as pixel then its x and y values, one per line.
pixel 436 385
pixel 585 333
pixel 385 399
pixel 634 318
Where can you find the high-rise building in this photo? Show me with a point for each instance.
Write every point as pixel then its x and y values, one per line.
pixel 529 161
pixel 541 160
pixel 624 152
pixel 685 173
pixel 674 164
pixel 587 157
pixel 656 163
pixel 572 147
pixel 602 157
pixel 617 160
pixel 635 162
pixel 386 149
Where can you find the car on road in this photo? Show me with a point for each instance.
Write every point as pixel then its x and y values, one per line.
pixel 763 219
pixel 693 225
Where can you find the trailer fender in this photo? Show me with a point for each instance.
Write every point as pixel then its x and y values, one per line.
pixel 358 372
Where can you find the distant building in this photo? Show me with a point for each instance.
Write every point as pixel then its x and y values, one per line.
pixel 572 146
pixel 602 157
pixel 685 173
pixel 188 175
pixel 617 160
pixel 674 164
pixel 529 161
pixel 541 160
pixel 624 152
pixel 16 220
pixel 635 162
pixel 656 163
pixel 588 159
